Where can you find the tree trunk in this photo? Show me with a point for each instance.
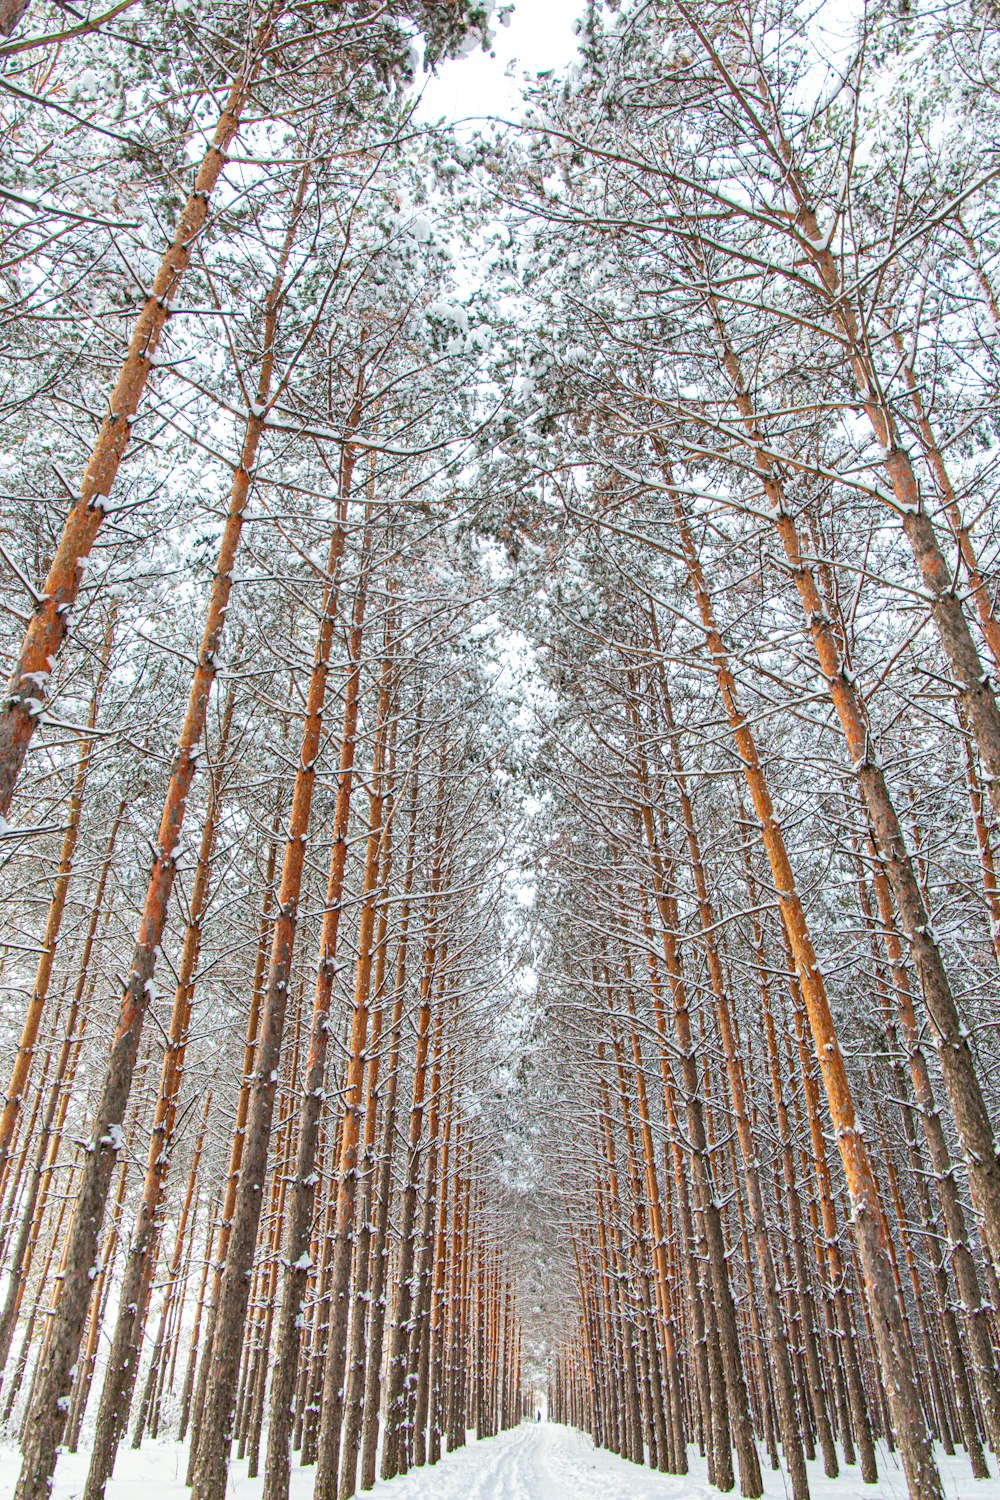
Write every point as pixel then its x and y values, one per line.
pixel 193 1401
pixel 50 1134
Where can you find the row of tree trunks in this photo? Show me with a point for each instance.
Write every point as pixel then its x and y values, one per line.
pixel 363 1269
pixel 29 1035
pixel 212 1436
pixel 298 1231
pixel 140 1265
pixel 954 1051
pixel 458 1295
pixel 44 1419
pixel 47 1135
pixel 808 1329
pixel 867 1216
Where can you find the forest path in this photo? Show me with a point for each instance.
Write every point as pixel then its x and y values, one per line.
pixel 537 1461
pixel 544 1461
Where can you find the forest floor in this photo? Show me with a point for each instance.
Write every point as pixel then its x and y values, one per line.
pixel 534 1462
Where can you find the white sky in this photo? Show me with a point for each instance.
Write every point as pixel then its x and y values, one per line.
pixel 539 36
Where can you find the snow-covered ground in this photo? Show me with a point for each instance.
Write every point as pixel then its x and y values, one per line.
pixel 534 1462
